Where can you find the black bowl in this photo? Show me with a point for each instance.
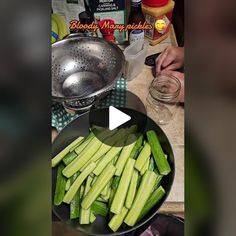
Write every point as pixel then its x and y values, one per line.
pixel 80 127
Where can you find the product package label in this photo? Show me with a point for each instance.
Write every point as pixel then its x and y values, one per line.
pixel 110 9
pixel 118 19
pixel 161 25
pixel 107 5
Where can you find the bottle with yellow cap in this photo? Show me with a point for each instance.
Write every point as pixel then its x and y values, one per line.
pixel 158 13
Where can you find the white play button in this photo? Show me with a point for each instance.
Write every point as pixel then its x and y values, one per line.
pixel 117 118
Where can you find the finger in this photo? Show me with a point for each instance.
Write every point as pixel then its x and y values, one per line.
pixel 158 57
pixel 168 60
pixel 174 66
pixel 166 72
pixel 161 57
pixel 159 61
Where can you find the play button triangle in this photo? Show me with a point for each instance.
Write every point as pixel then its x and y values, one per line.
pixel 117 118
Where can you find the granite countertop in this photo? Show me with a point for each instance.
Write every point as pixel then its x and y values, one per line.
pixel 174 130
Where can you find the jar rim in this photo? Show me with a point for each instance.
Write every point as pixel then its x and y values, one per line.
pixel 159 82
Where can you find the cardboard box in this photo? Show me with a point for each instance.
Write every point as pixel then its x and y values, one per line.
pixel 111 9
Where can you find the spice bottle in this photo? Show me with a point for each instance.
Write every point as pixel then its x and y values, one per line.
pixel 136 16
pixel 158 13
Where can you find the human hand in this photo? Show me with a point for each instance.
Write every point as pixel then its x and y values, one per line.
pixel 172 58
pixel 180 77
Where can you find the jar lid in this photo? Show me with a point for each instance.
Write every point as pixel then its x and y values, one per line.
pixel 155 3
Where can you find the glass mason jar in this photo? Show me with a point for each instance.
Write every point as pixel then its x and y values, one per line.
pixel 163 98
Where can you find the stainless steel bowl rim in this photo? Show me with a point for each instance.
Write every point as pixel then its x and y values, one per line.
pixel 100 91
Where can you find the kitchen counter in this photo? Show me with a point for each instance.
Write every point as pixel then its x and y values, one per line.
pixel 174 130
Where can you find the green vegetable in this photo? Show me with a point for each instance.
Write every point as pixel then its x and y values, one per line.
pixel 94 180
pixel 121 192
pixel 82 158
pixel 106 191
pixel 67 184
pixel 87 153
pixel 129 145
pixel 92 175
pixel 62 153
pixel 89 138
pixel 115 159
pixel 132 189
pixel 85 214
pixel 98 128
pixel 105 148
pixel 145 167
pixel 81 191
pixel 69 157
pixel 115 182
pixel 144 192
pixel 159 178
pixel 143 157
pixel 95 158
pixel 105 134
pixel 132 129
pixel 152 201
pixel 76 145
pixel 86 141
pixel 77 183
pixel 112 194
pixel 139 180
pixel 137 147
pixel 151 164
pixel 97 161
pixel 100 199
pixel 75 203
pixel 60 186
pixel 98 186
pixel 92 217
pixel 117 220
pixel 108 158
pixel 158 154
pixel 99 208
pixel 120 181
pixel 107 196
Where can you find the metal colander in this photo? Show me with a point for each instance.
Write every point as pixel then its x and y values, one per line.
pixel 83 69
